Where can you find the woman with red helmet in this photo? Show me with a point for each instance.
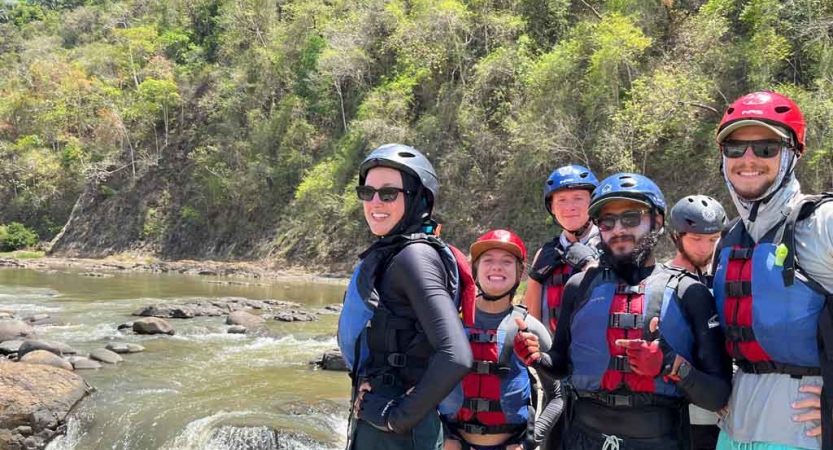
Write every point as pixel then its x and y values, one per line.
pixel 491 408
pixel 770 306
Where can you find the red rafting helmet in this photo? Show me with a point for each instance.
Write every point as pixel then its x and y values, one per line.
pixel 764 108
pixel 502 239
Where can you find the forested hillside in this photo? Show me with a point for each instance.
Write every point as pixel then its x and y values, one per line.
pixel 232 129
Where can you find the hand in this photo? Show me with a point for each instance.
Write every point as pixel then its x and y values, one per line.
pixel 364 387
pixel 581 256
pixel 813 404
pixel 514 447
pixel 723 412
pixel 545 262
pixel 452 444
pixel 526 344
pixel 375 409
pixel 645 358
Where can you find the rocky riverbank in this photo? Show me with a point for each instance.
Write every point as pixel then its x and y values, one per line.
pixel 240 273
pixel 40 380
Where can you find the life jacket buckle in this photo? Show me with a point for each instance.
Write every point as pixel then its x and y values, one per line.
pixel 738 288
pixel 397 360
pixel 625 289
pixel 482 368
pixel 474 429
pixel 483 338
pixel 741 253
pixel 626 321
pixel 619 364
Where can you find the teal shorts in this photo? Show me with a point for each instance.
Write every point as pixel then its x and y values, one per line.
pixel 724 442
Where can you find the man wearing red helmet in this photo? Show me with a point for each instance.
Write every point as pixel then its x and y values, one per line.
pixel 773 277
pixel 491 408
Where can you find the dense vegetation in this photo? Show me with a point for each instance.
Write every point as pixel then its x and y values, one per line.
pixel 233 128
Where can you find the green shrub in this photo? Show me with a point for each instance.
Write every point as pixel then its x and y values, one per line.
pixel 15 236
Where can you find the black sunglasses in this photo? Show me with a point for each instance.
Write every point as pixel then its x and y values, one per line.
pixel 766 148
pixel 386 194
pixel 628 219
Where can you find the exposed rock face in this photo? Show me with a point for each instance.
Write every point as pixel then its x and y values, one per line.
pixel 153 325
pixel 210 307
pixel 34 402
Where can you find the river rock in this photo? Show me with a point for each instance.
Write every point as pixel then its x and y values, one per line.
pixel 243 318
pixel 153 325
pixel 57 348
pixel 125 326
pixel 105 356
pixel 38 397
pixel 37 318
pixel 82 363
pixel 332 360
pixel 238 329
pixel 296 316
pixel 47 358
pixel 15 329
pixel 6 315
pixel 117 347
pixel 9 347
pixel 211 307
pixel 135 348
pixel 95 274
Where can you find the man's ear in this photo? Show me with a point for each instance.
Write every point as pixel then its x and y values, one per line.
pixel 659 222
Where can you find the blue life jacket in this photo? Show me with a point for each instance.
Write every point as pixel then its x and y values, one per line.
pixel 768 307
pixel 494 397
pixel 614 310
pixel 366 324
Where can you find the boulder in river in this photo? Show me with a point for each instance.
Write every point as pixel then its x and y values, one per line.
pixel 105 356
pixel 6 315
pixel 296 316
pixel 45 357
pixel 118 347
pixel 237 329
pixel 243 318
pixel 9 347
pixel 34 402
pixel 82 363
pixel 153 325
pixel 125 326
pixel 135 348
pixel 332 360
pixel 57 348
pixel 15 329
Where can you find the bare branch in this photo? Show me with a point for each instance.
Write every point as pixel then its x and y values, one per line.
pixel 596 13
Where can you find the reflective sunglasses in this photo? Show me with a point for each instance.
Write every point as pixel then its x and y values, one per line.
pixel 386 194
pixel 766 148
pixel 628 219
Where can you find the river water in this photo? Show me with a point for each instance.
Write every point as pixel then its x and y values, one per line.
pixel 202 389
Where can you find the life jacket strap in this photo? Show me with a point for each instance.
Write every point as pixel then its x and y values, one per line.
pixel 738 289
pixel 619 364
pixel 630 399
pixel 625 289
pixel 741 253
pixel 627 321
pixel 482 405
pixel 739 333
pixel 762 367
pixel 483 338
pixel 490 368
pixel 476 428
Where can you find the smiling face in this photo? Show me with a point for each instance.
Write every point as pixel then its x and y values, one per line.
pixel 569 206
pixel 750 175
pixel 699 248
pixel 622 240
pixel 382 216
pixel 497 271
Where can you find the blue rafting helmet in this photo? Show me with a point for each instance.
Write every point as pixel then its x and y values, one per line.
pixel 407 159
pixel 628 186
pixel 569 177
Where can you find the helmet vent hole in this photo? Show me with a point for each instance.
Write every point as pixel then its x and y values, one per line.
pixel 628 184
pixel 782 109
pixel 730 110
pixel 691 223
pixel 583 175
pixel 624 177
pixel 691 200
pixel 704 203
pixel 550 182
pixel 406 155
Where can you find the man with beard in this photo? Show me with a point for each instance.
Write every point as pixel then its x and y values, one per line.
pixel 695 224
pixel 773 281
pixel 630 376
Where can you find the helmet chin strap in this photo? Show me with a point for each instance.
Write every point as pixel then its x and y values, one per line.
pixel 580 231
pixel 494 298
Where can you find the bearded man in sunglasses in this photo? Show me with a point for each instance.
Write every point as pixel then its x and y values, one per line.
pixel 638 340
pixel 773 279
